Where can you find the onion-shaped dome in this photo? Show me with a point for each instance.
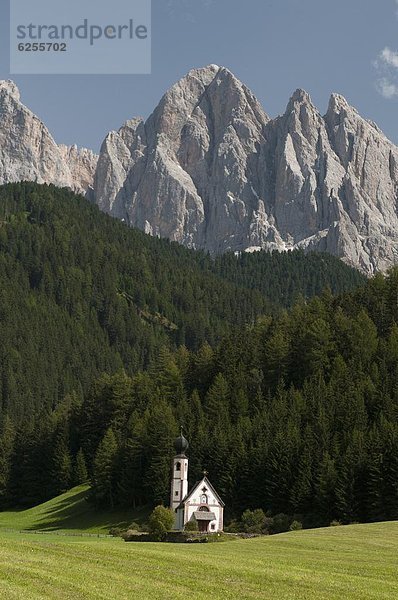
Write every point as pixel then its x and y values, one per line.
pixel 181 445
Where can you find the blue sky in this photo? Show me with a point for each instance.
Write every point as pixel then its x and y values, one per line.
pixel 274 46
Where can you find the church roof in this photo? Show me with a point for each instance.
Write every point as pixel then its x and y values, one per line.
pixel 204 516
pixel 194 488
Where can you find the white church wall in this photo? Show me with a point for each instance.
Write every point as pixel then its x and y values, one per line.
pixel 196 501
pixel 179 482
pixel 214 508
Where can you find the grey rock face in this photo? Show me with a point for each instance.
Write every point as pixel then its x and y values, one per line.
pixel 29 153
pixel 188 172
pixel 209 169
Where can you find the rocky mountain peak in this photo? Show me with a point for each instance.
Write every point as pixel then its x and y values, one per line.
pixel 10 88
pixel 300 103
pixel 211 170
pixel 301 119
pixel 29 152
pixel 337 104
pixel 180 100
pixel 299 97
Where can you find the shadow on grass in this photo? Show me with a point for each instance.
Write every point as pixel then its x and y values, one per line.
pixel 75 512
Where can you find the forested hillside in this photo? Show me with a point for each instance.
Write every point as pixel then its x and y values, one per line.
pixel 288 276
pixel 111 339
pixel 297 414
pixel 82 294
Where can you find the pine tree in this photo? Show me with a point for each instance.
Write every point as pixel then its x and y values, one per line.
pixel 80 474
pixel 7 439
pixel 326 489
pixel 279 475
pixel 168 378
pixel 131 464
pixel 60 470
pixel 277 357
pixel 302 490
pixel 390 471
pixel 374 484
pixel 102 484
pixel 202 369
pixel 217 403
pixel 161 430
pixel 351 491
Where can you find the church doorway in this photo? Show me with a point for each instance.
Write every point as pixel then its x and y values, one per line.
pixel 203 526
pixel 203 523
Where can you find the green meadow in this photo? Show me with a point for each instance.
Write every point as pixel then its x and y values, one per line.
pixel 355 562
pixel 49 560
pixel 71 513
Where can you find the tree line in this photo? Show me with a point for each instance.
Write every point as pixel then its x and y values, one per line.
pixel 295 413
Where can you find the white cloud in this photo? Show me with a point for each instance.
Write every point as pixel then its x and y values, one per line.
pixel 386 67
pixel 387 88
pixel 389 57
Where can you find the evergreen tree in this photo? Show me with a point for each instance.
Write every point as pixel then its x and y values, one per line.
pixel 102 483
pixel 7 439
pixel 131 464
pixel 161 430
pixel 302 490
pixel 80 474
pixel 326 489
pixel 351 483
pixel 217 403
pixel 390 471
pixel 374 483
pixel 61 464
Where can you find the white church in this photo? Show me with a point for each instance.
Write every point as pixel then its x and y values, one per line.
pixel 201 503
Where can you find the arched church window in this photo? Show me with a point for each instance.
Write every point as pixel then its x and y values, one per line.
pixel 178 466
pixel 203 499
pixel 204 509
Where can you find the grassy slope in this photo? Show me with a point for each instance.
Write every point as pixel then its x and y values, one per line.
pixel 70 512
pixel 356 562
pixel 351 563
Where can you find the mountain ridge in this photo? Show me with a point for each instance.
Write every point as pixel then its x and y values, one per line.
pixel 28 150
pixel 211 170
pixel 224 176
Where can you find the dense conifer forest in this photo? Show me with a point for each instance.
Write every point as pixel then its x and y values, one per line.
pixel 82 294
pixel 111 339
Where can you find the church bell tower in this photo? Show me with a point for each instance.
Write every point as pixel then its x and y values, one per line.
pixel 179 481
